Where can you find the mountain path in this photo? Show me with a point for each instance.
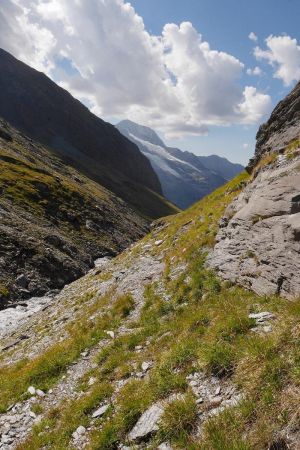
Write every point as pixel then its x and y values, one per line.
pixel 17 422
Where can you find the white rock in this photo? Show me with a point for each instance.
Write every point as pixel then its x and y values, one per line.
pixel 40 393
pixel 164 446
pixel 6 439
pixel 147 423
pixel 32 414
pixel 218 390
pixel 31 390
pixel 81 430
pixel 262 316
pixel 159 242
pixel 110 334
pixel 99 412
pixel 146 365
pixel 92 381
pixel 75 436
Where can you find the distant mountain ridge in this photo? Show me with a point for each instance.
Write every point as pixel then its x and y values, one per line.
pixel 33 103
pixel 184 177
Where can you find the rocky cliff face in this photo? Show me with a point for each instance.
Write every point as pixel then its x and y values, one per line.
pixel 33 103
pixel 259 239
pixel 282 128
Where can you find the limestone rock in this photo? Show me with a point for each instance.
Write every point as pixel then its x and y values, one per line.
pixel 31 390
pixel 260 247
pixel 147 424
pixel 146 365
pixel 164 446
pixel 261 317
pixel 80 431
pixel 40 393
pixel 100 411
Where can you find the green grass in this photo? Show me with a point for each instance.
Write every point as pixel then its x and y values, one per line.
pixel 44 370
pixel 179 420
pixel 202 326
pixel 4 291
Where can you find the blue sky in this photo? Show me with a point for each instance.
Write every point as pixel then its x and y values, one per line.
pixel 226 24
pixel 188 68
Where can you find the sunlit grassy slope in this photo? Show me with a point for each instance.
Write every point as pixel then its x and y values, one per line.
pixel 191 321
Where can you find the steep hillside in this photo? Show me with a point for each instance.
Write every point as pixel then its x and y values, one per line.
pixel 151 350
pixel 54 222
pixel 184 177
pixel 42 110
pixel 259 241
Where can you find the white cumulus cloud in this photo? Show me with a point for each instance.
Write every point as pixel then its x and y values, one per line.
pixel 283 54
pixel 252 36
pixel 175 82
pixel 256 71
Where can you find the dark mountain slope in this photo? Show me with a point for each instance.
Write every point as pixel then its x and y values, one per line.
pixel 185 177
pixel 54 222
pixel 33 103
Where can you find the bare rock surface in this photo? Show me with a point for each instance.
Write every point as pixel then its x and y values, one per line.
pixel 258 245
pixel 147 423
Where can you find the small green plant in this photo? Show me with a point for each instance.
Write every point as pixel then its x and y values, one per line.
pixel 179 419
pixel 37 408
pixel 293 145
pixel 4 292
pixel 219 358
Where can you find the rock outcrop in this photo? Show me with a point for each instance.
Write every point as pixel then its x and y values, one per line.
pixel 258 245
pixel 282 127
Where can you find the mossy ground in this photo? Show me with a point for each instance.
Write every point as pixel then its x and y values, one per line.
pixel 197 323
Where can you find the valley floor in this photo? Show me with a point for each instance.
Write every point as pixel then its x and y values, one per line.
pixel 151 350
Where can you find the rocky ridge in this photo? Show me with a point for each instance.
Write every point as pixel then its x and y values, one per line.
pixel 184 177
pixel 282 128
pixel 258 242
